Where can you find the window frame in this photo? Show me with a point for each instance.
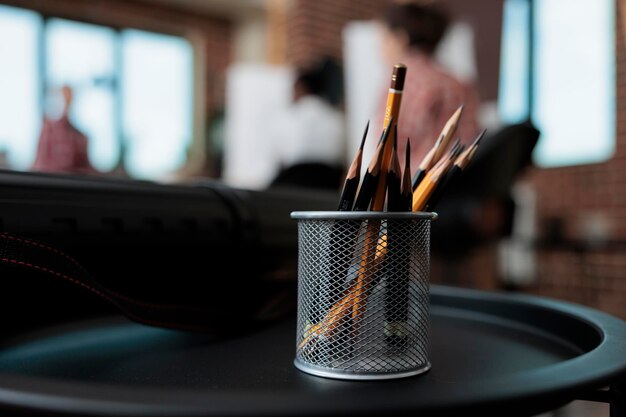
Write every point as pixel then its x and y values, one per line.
pixel 530 104
pixel 118 65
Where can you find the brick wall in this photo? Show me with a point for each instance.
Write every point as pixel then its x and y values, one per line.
pixel 574 269
pixel 314 27
pixel 569 265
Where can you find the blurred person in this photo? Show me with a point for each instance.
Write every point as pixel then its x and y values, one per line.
pixel 62 147
pixel 411 34
pixel 477 209
pixel 309 139
pixel 4 159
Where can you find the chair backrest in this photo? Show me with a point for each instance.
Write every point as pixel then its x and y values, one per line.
pixel 499 160
pixel 310 175
pixel 486 183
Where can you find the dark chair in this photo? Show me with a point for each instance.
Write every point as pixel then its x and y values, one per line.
pixel 310 175
pixel 478 207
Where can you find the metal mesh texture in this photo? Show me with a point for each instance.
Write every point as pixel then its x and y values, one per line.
pixel 363 296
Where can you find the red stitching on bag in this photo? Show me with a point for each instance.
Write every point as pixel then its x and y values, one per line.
pixel 106 297
pixel 66 277
pixel 41 245
pixel 114 293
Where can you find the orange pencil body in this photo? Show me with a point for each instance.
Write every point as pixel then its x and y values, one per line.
pixel 365 270
pixel 394 99
pixel 421 194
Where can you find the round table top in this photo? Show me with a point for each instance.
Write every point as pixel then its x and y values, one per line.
pixel 490 353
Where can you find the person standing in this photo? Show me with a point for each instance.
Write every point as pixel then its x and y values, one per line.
pixel 62 147
pixel 309 139
pixel 411 34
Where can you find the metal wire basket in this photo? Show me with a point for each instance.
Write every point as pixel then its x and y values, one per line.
pixel 363 294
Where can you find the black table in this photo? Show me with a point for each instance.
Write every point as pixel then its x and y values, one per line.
pixel 491 353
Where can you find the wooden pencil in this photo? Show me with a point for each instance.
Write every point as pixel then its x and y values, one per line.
pixel 370 247
pixel 424 166
pixel 351 183
pixel 460 163
pixel 465 158
pixel 392 110
pixel 372 175
pixel 343 308
pixel 438 149
pixel 374 246
pixel 396 264
pixel 383 182
pixel 341 257
pixel 394 179
pixel 448 132
pixel 407 185
pixel 429 183
pixel 395 199
pixel 437 193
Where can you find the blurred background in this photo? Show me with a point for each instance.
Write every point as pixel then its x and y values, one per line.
pixel 175 90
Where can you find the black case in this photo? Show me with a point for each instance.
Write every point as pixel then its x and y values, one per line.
pixel 204 244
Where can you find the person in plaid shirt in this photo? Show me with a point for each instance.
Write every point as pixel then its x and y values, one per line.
pixel 431 95
pixel 62 147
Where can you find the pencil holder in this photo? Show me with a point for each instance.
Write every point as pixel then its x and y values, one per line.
pixel 363 294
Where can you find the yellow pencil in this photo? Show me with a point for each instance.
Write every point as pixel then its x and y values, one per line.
pixel 392 110
pixel 435 153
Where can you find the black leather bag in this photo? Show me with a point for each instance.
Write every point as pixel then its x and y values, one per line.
pixel 202 257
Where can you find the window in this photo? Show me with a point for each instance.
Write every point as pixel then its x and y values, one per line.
pixel 570 93
pixel 83 56
pixel 157 95
pixel 20 115
pixel 515 61
pixel 133 92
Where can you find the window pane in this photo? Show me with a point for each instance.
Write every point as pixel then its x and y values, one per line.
pixel 575 81
pixel 157 96
pixel 83 56
pixel 20 113
pixel 513 89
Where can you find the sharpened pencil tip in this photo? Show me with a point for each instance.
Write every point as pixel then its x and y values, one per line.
pixel 479 138
pixel 457 114
pixel 455 144
pixel 387 130
pixel 385 134
pixel 458 151
pixel 367 128
pixel 407 156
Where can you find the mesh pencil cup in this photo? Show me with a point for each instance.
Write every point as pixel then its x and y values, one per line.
pixel 363 294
